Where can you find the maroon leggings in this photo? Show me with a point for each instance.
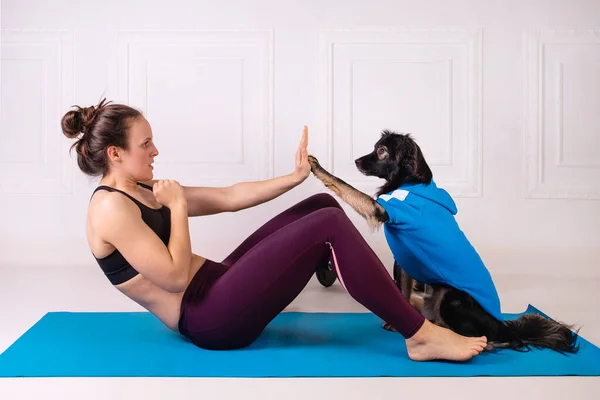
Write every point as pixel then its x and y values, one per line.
pixel 227 305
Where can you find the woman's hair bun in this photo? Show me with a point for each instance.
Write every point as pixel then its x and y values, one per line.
pixel 77 121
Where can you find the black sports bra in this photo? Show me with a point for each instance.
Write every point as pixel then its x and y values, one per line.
pixel 115 266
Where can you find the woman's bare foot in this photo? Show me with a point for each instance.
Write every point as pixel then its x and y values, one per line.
pixel 432 342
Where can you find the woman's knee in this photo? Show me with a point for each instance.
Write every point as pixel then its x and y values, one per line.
pixel 324 200
pixel 333 216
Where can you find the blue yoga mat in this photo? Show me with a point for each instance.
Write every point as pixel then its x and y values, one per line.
pixel 63 344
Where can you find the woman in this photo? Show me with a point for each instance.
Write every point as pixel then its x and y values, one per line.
pixel 137 230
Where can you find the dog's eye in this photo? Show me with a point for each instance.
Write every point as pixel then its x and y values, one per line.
pixel 380 151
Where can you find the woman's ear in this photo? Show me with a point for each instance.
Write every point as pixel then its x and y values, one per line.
pixel 113 153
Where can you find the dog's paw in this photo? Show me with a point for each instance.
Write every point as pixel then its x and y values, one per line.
pixel 388 327
pixel 489 347
pixel 314 163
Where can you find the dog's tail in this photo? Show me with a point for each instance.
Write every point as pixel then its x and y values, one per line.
pixel 534 330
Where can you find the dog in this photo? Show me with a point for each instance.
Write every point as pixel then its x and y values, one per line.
pixel 475 311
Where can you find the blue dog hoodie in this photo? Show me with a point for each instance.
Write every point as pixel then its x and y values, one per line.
pixel 428 244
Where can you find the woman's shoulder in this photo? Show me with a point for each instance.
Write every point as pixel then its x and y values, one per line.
pixel 105 205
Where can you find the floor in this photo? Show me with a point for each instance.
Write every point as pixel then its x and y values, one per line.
pixel 27 293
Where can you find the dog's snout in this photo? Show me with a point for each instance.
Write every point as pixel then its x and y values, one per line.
pixel 358 162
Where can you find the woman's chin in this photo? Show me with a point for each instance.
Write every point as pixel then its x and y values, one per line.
pixel 148 176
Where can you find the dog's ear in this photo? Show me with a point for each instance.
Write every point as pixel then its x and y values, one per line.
pixel 405 164
pixel 414 163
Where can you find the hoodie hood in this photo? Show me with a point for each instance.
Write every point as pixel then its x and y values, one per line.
pixel 432 193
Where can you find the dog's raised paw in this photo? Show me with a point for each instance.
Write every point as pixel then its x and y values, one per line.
pixel 314 163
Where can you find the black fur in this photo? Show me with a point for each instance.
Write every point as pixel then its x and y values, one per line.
pixel 398 159
pixel 461 313
pixel 400 162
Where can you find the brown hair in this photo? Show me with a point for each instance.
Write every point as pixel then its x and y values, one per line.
pixel 101 126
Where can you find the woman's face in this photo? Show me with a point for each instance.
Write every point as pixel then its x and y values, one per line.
pixel 138 158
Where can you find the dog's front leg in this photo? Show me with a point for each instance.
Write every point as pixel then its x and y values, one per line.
pixel 359 201
pixel 407 284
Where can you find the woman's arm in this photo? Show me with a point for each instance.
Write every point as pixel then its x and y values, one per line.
pixel 204 201
pixel 242 195
pixel 118 222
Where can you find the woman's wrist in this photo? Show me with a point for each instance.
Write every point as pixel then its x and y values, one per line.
pixel 297 178
pixel 179 206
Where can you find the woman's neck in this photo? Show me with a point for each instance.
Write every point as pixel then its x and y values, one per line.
pixel 124 183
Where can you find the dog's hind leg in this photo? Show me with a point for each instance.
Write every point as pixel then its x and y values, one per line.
pixel 432 303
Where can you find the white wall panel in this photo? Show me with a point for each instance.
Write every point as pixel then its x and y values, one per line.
pixel 563 90
pixel 37 85
pixel 222 127
pixel 426 81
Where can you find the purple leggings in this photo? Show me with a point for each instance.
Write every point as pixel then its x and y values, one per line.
pixel 227 305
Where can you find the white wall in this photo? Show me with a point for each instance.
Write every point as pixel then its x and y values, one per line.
pixel 503 97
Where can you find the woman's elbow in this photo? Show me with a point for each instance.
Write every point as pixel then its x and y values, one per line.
pixel 177 282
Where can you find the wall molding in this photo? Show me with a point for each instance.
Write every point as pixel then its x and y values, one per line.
pixel 466 181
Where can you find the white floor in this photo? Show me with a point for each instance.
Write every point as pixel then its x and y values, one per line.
pixel 27 293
